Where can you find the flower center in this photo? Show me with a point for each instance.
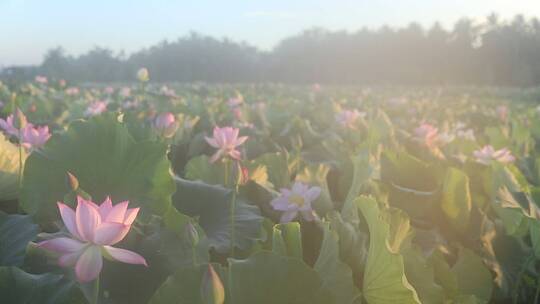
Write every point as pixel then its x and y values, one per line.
pixel 297 199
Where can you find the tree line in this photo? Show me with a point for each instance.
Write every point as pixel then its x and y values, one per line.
pixel 494 52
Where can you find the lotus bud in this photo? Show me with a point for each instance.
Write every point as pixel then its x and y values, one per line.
pixel 72 181
pixel 212 291
pixel 245 174
pixel 166 124
pixel 143 75
pixel 41 79
pixel 240 173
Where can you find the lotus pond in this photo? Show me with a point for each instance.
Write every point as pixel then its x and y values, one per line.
pixel 147 193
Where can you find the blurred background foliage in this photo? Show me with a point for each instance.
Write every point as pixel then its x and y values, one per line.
pixel 495 52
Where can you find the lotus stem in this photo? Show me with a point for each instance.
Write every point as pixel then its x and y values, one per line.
pixel 20 159
pixel 95 296
pixel 230 277
pixel 233 209
pixel 226 173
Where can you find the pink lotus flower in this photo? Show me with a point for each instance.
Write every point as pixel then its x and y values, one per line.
pixel 29 136
pixel 426 134
pixel 225 140
pixel 96 108
pixel 9 125
pixel 488 154
pixel 62 83
pixel 167 91
pixel 298 199
pixel 41 79
pixel 166 124
pixel 109 90
pixel 93 229
pixel 348 118
pixel 125 92
pixel 71 91
pixel 33 138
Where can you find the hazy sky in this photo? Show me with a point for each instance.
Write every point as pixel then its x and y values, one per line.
pixel 29 27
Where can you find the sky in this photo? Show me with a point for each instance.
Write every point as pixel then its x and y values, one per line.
pixel 28 28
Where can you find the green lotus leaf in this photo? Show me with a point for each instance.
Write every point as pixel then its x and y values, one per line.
pixel 169 245
pixel 17 286
pixel 106 160
pixel 420 274
pixel 456 199
pixel 362 171
pixel 413 183
pixel 200 168
pixel 384 276
pixel 534 230
pixel 473 277
pixel 16 231
pixel 263 278
pixel 353 243
pixel 184 287
pixel 505 176
pixel 287 240
pixel 468 299
pixel 400 229
pixel 514 217
pixel 336 275
pixel 211 204
pixel 268 278
pixel 443 275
